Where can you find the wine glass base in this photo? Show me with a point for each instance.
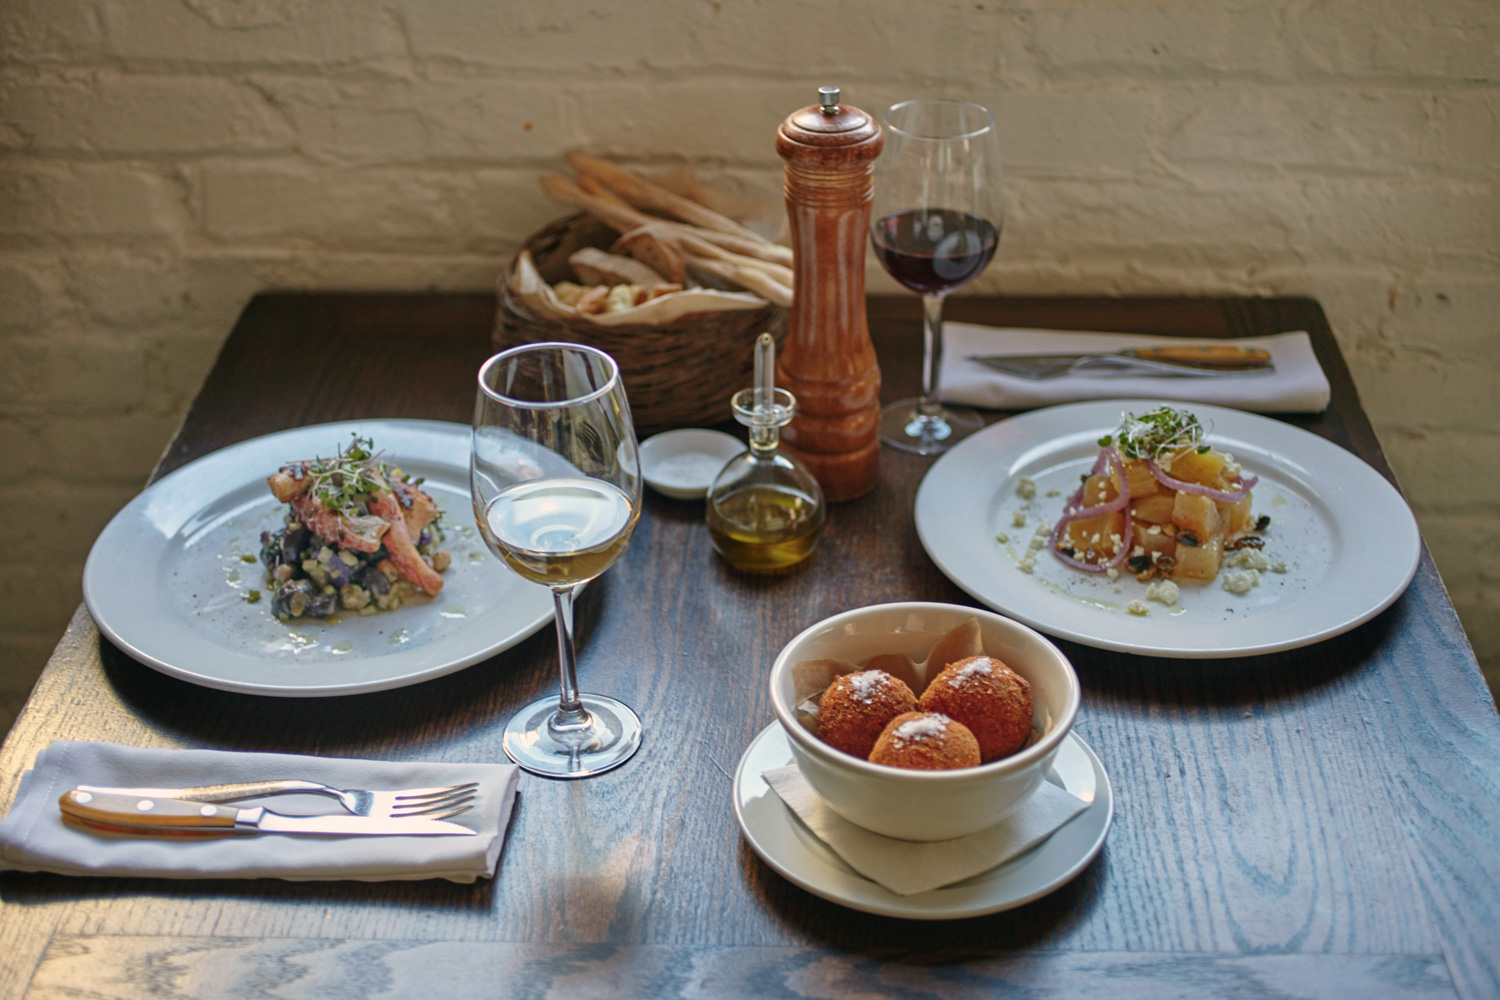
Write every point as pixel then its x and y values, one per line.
pixel 903 428
pixel 614 737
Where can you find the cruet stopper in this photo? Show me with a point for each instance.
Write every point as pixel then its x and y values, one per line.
pixel 765 509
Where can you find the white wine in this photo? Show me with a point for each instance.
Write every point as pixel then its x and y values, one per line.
pixel 559 532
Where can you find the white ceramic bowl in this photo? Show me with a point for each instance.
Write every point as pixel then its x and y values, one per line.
pixel 926 805
pixel 684 463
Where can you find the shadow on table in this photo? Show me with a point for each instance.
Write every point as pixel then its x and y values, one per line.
pixel 1043 924
pixel 1119 681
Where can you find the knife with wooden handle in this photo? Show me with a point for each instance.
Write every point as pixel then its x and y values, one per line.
pixel 165 815
pixel 1171 359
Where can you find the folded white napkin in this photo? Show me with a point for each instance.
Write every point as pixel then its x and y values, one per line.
pixel 907 867
pixel 33 836
pixel 1298 384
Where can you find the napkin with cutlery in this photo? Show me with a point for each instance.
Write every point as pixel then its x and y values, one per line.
pixel 907 867
pixel 1297 385
pixel 34 836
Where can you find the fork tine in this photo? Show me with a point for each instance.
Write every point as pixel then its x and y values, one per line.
pixel 425 794
pixel 447 815
pixel 426 808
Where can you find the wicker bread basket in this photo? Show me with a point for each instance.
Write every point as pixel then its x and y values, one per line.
pixel 676 375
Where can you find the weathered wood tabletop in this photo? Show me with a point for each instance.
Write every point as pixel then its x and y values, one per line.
pixel 1318 822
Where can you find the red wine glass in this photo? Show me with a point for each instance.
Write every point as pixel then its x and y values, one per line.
pixel 935 222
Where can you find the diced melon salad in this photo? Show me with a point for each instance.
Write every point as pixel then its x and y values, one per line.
pixel 1159 503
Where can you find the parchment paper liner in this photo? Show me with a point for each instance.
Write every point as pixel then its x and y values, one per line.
pixel 537 296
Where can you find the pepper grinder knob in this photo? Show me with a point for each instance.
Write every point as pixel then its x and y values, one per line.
pixel 828 100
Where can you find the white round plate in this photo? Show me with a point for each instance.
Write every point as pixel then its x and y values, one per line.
pixel 787 845
pixel 168 578
pixel 1348 542
pixel 683 464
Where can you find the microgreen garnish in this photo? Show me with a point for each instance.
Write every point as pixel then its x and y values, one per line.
pixel 345 483
pixel 1159 434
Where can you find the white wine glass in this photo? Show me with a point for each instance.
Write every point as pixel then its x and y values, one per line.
pixel 556 481
pixel 935 223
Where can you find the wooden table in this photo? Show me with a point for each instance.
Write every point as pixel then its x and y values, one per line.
pixel 1319 822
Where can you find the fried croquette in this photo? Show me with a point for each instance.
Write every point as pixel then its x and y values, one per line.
pixel 926 741
pixel 856 707
pixel 988 697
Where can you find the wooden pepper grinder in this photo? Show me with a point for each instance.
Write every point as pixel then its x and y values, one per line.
pixel 828 362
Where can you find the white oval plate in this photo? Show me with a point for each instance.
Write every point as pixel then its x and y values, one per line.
pixel 684 463
pixel 1349 541
pixel 786 844
pixel 167 579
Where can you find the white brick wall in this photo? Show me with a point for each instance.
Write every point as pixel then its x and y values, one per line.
pixel 162 160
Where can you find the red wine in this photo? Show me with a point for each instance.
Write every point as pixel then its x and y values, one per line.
pixel 934 250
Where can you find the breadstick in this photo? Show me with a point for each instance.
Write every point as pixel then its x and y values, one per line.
pixel 621 217
pixel 616 216
pixel 692 244
pixel 756 281
pixel 599 189
pixel 773 252
pixel 645 194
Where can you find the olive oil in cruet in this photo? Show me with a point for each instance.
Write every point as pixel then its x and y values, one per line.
pixel 765 510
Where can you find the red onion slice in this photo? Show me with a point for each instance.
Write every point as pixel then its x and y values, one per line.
pixel 1107 457
pixel 1246 483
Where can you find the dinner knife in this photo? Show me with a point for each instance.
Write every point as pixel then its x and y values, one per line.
pixel 1176 359
pixel 165 815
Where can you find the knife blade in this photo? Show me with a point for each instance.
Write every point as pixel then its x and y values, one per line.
pixel 1176 359
pixel 166 815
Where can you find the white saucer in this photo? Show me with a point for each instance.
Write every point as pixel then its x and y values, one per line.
pixel 783 842
pixel 683 463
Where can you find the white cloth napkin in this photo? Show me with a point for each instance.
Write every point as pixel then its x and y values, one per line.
pixel 907 867
pixel 33 836
pixel 1298 384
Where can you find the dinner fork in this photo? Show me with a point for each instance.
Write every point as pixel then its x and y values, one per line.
pixel 431 803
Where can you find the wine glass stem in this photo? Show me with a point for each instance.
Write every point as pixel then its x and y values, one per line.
pixel 571 716
pixel 932 356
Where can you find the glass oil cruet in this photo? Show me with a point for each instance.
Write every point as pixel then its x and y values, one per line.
pixel 765 510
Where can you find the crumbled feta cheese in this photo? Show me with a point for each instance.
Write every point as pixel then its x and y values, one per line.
pixel 1139 550
pixel 1164 591
pixel 1112 573
pixel 1248 559
pixel 1279 566
pixel 1138 608
pixel 1155 529
pixel 1002 537
pixel 1028 564
pixel 1018 519
pixel 1054 493
pixel 1026 488
pixel 1239 581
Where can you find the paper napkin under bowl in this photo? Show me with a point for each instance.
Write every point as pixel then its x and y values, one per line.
pixel 33 836
pixel 907 867
pixel 1298 385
